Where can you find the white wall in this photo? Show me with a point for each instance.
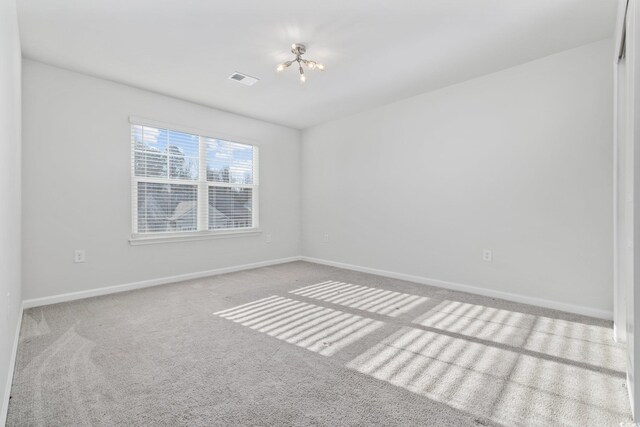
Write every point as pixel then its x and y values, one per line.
pixel 10 298
pixel 519 162
pixel 76 190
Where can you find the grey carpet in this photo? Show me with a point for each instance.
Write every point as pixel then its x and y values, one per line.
pixel 304 344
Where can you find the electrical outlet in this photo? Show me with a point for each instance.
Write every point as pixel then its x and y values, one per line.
pixel 267 238
pixel 79 256
pixel 487 255
pixel 326 238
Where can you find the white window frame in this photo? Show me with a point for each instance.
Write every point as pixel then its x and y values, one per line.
pixel 202 211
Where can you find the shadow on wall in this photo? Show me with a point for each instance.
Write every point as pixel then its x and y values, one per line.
pixel 507 366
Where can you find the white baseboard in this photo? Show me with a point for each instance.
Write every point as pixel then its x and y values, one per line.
pixel 54 299
pixel 540 302
pixel 12 366
pixel 555 305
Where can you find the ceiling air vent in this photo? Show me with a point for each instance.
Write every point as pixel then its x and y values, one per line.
pixel 243 78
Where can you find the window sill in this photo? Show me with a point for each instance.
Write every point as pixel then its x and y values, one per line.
pixel 145 239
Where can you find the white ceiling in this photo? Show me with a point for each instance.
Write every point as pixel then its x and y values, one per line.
pixel 375 52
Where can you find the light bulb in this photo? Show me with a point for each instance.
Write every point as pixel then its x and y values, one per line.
pixel 302 78
pixel 280 67
pixel 320 67
pixel 311 65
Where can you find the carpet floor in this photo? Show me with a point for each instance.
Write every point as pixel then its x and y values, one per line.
pixel 304 344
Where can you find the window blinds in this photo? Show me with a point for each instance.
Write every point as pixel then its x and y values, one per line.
pixel 184 182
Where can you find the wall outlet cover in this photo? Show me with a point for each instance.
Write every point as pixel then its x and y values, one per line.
pixel 79 256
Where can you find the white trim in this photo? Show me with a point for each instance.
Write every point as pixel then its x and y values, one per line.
pixel 12 365
pixel 192 182
pixel 141 121
pixel 202 209
pixel 72 296
pixel 628 383
pixel 523 299
pixel 255 196
pixel 616 336
pixel 619 140
pixel 156 238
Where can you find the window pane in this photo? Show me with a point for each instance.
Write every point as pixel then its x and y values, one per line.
pixel 230 207
pixel 183 155
pixel 181 167
pixel 165 153
pixel 166 207
pixel 229 161
pixel 150 147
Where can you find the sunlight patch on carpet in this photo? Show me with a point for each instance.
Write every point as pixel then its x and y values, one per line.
pixel 373 300
pixel 503 385
pixel 312 327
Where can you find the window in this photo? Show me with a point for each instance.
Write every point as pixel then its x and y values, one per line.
pixel 189 184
